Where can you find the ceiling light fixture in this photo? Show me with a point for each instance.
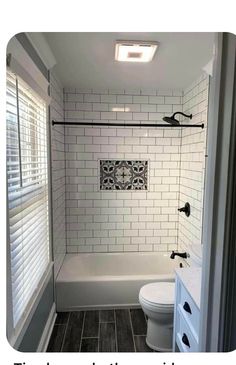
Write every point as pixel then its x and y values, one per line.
pixel 135 51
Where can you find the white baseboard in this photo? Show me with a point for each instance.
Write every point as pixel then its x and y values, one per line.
pixel 43 343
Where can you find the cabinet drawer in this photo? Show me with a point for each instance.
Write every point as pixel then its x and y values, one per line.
pixel 184 338
pixel 189 310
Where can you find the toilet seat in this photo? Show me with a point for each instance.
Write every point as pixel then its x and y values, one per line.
pixel 158 296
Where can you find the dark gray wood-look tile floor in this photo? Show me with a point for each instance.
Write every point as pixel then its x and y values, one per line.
pixel 118 330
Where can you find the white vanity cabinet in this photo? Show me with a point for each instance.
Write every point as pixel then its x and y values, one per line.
pixel 187 309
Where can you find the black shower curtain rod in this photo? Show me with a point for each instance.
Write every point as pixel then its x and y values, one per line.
pixel 54 122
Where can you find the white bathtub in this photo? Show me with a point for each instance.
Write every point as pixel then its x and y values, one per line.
pixel 109 280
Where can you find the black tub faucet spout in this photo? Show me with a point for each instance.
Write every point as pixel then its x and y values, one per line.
pixel 184 255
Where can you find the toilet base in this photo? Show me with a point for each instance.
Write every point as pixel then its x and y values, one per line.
pixel 159 338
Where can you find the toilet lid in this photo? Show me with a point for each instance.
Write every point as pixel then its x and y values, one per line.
pixel 159 293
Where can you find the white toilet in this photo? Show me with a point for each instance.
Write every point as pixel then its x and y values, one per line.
pixel 157 302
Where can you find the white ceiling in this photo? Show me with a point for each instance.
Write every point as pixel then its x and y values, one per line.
pixel 86 60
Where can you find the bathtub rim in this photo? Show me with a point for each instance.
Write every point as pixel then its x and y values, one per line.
pixel 61 277
pixel 108 278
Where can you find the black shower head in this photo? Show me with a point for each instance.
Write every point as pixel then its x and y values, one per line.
pixel 174 121
pixel 171 120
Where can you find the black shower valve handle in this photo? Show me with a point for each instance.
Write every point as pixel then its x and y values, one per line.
pixel 185 209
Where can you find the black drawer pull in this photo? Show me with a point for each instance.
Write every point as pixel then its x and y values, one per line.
pixel 185 340
pixel 187 308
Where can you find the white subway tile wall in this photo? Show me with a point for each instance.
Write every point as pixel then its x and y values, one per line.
pixel 110 221
pixel 100 221
pixel 193 150
pixel 58 173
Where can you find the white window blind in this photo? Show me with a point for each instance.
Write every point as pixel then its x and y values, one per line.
pixel 27 183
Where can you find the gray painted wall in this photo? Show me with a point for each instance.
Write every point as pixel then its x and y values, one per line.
pixel 35 329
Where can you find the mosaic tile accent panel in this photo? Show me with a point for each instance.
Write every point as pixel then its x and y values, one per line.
pixel 123 175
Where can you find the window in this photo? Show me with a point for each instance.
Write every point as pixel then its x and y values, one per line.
pixel 27 183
